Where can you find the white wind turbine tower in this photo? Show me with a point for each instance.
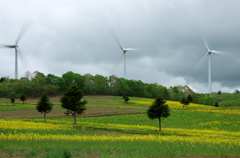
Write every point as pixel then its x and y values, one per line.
pixel 208 54
pixel 15 46
pixel 124 50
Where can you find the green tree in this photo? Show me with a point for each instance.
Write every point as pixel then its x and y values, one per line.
pixel 163 91
pixel 51 89
pixel 72 102
pixel 4 89
pixel 175 93
pixel 175 89
pixel 52 79
pixel 122 87
pixel 39 80
pixel 44 105
pixel 185 102
pixel 151 90
pixel 236 91
pixel 112 81
pixel 23 98
pixel 28 76
pixel 126 99
pixel 101 84
pixel 89 87
pixel 13 100
pixel 190 98
pixel 28 88
pixel 216 104
pixel 158 109
pixel 70 78
pixel 219 92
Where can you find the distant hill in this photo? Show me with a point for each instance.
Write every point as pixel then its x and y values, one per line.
pixel 227 99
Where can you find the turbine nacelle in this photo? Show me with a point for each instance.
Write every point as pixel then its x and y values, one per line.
pixel 13 46
pixel 209 52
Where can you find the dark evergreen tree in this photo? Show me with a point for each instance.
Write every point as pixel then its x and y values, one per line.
pixel 2 79
pixel 185 102
pixel 13 100
pixel 71 101
pixel 158 109
pixel 189 97
pixel 126 99
pixel 216 104
pixel 44 105
pixel 23 98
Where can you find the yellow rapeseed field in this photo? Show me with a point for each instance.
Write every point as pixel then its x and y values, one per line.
pixel 21 124
pixel 134 137
pixel 172 104
pixel 227 111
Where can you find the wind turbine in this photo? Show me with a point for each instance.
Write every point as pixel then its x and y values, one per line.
pixel 208 55
pixel 124 50
pixel 15 46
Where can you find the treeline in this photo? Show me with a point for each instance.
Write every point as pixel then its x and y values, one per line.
pixel 36 83
pixel 228 99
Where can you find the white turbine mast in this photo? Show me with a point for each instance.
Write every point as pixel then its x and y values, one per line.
pixel 208 55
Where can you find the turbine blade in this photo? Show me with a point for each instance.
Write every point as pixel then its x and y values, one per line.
pixel 131 49
pixel 221 52
pixel 5 46
pixel 26 25
pixel 114 35
pixel 197 66
pixel 24 62
pixel 117 63
pixel 206 44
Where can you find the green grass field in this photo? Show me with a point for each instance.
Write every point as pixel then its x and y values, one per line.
pixel 196 131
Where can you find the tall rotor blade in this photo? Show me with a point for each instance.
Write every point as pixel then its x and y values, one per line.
pixel 5 46
pixel 117 63
pixel 26 25
pixel 131 49
pixel 221 52
pixel 197 66
pixel 114 35
pixel 24 62
pixel 206 44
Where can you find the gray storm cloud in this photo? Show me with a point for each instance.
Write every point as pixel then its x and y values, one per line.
pixel 74 36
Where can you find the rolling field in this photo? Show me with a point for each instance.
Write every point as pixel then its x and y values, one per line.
pixel 111 128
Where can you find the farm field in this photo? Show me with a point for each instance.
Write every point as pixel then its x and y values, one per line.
pixel 112 128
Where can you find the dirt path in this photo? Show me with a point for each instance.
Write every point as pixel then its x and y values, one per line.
pixel 90 112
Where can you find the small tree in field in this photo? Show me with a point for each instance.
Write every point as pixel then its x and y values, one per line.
pixel 44 105
pixel 185 102
pixel 72 102
pixel 158 109
pixel 126 99
pixel 13 100
pixel 23 98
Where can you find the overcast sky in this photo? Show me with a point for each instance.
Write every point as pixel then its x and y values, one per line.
pixel 74 36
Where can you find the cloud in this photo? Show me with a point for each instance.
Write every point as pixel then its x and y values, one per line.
pixel 73 36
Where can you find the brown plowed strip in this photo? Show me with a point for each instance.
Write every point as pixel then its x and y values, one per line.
pixel 90 112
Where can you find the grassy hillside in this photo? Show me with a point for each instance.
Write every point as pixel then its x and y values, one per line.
pixel 228 99
pixel 197 131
